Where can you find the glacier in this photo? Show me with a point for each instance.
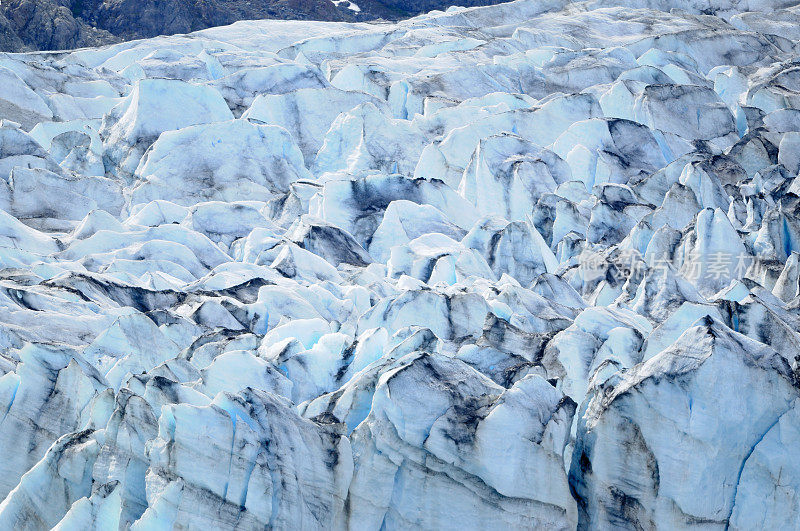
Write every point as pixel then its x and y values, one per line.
pixel 530 265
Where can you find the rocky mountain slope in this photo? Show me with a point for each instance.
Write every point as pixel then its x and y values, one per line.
pixel 67 24
pixel 534 265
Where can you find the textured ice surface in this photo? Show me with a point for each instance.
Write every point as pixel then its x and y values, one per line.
pixel 534 265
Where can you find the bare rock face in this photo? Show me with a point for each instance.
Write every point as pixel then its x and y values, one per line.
pixel 49 25
pixel 131 19
pixel 9 40
pixel 46 25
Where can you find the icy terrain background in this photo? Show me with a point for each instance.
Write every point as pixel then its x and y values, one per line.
pixel 27 25
pixel 525 266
